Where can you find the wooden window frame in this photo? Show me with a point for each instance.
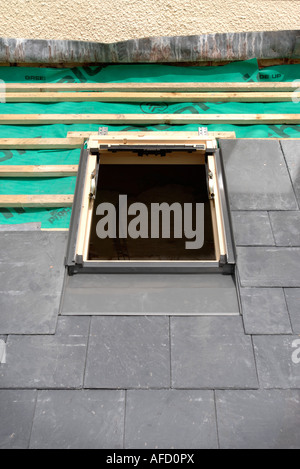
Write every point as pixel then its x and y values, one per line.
pixel 95 153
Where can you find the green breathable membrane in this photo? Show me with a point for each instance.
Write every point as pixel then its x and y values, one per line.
pixel 280 73
pixel 246 71
pixel 33 157
pixel 235 71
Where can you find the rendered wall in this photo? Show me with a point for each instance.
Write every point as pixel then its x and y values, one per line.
pixel 117 20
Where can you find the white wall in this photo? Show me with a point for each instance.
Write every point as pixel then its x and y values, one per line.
pixel 116 20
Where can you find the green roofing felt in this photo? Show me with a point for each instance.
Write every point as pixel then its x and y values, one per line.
pixel 246 71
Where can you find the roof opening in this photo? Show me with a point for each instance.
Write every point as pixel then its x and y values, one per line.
pixel 150 203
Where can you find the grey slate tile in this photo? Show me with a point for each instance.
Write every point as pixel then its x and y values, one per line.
pixel 37 247
pixel 293 301
pixel 16 417
pixel 258 419
pixel 286 228
pixel 128 352
pixel 252 229
pixel 21 313
pixel 150 294
pixel 55 361
pixel 22 227
pixel 269 267
pixel 257 175
pixel 31 278
pixel 265 311
pixel 79 420
pixel 278 361
pixel 170 419
pixel 291 150
pixel 211 352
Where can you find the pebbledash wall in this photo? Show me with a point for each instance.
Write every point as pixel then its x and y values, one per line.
pixel 118 20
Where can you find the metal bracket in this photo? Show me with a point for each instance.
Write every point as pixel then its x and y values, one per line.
pixel 78 259
pixel 210 185
pixel 103 131
pixel 223 260
pixel 202 132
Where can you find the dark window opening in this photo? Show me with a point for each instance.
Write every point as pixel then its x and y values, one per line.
pixel 152 184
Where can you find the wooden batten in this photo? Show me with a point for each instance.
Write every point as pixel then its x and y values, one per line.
pixel 153 87
pixel 30 171
pixel 148 119
pixel 36 200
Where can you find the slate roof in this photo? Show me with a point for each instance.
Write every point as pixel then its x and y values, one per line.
pixel 163 381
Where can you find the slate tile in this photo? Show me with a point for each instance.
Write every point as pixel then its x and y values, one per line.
pixel 84 419
pixel 278 361
pixel 291 150
pixel 293 301
pixel 286 228
pixel 128 352
pixel 16 417
pixel 31 279
pixel 269 267
pixel 211 352
pixel 32 247
pixel 258 419
pixel 15 317
pixel 170 419
pixel 19 277
pixel 22 227
pixel 257 176
pixel 55 361
pixel 265 311
pixel 72 327
pixel 252 229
